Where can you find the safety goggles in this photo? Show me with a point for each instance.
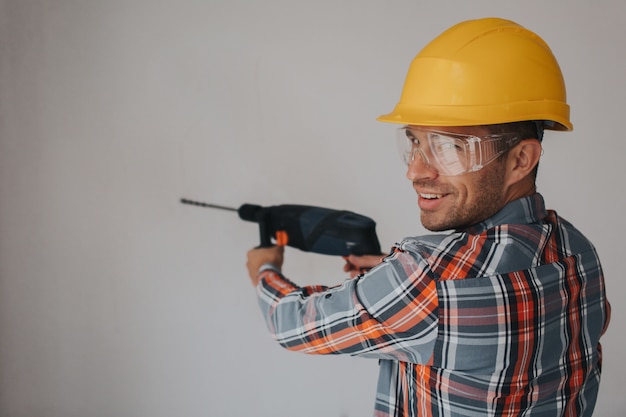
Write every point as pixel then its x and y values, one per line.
pixel 452 154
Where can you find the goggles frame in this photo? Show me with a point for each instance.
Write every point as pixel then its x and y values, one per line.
pixel 452 154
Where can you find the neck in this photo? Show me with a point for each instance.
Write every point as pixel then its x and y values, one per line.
pixel 520 190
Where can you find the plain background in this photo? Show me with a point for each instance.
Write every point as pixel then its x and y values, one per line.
pixel 118 301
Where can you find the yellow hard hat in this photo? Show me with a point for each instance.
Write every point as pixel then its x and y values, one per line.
pixel 481 72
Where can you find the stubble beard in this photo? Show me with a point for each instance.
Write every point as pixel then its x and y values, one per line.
pixel 489 199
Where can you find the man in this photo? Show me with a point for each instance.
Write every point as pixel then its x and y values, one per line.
pixel 502 316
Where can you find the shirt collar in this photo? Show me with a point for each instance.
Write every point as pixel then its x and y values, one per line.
pixel 525 210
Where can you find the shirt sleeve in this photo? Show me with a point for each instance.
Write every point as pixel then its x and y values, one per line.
pixel 388 313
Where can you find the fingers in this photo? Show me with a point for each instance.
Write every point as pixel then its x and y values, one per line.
pixel 364 261
pixel 356 265
pixel 258 257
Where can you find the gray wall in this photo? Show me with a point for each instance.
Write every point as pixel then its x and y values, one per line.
pixel 116 300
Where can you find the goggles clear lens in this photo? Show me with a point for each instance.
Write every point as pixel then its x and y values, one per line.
pixel 452 154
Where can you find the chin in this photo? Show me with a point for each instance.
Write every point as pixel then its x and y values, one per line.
pixel 434 226
pixel 442 224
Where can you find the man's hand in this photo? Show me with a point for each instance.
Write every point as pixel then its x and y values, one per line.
pixel 258 257
pixel 356 265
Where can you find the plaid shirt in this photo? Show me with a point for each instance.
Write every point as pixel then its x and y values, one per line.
pixel 502 319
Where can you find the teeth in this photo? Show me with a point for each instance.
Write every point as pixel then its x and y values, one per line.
pixel 430 196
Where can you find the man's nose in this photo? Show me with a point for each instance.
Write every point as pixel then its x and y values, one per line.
pixel 419 168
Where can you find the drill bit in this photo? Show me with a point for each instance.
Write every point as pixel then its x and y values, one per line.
pixel 201 204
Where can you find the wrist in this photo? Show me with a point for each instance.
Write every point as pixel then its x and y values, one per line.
pixel 266 267
pixel 269 266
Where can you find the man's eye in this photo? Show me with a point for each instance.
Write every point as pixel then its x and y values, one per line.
pixel 412 139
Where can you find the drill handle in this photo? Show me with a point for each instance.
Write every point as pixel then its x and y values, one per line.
pixel 263 218
pixel 264 234
pixel 260 215
pixel 281 237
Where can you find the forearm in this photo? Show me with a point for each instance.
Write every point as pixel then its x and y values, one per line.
pixel 320 320
pixel 307 319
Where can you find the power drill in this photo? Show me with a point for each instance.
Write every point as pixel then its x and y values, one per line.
pixel 309 228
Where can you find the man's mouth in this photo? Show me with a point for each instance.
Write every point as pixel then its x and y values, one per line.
pixel 429 196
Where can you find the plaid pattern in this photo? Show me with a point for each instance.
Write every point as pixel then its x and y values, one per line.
pixel 503 319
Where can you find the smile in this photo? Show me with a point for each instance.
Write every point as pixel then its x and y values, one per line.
pixel 430 196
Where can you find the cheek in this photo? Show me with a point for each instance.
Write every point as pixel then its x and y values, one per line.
pixel 464 188
pixel 489 191
pixel 483 189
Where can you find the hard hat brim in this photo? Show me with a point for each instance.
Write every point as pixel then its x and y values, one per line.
pixel 549 111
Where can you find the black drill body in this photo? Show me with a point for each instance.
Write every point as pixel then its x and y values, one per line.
pixel 309 228
pixel 315 229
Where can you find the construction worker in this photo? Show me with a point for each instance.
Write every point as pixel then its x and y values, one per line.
pixel 501 315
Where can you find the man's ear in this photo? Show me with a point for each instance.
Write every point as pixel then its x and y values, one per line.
pixel 522 159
